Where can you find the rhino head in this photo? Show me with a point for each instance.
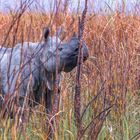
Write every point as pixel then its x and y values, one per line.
pixel 63 55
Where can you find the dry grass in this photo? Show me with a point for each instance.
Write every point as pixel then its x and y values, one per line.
pixel 114 63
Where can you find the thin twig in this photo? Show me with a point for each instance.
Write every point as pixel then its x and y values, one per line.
pixel 107 110
pixel 93 99
pixel 136 136
pixel 77 98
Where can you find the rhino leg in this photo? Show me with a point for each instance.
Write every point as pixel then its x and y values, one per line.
pixel 49 108
pixel 48 100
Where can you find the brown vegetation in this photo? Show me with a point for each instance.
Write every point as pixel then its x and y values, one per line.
pixel 112 72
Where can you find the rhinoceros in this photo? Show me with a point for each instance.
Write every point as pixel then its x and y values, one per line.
pixel 34 64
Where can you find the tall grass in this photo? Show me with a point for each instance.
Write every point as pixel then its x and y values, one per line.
pixel 112 71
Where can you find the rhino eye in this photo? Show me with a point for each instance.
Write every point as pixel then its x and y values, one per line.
pixel 60 49
pixel 76 49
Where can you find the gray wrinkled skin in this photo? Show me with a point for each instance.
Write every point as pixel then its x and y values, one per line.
pixel 31 64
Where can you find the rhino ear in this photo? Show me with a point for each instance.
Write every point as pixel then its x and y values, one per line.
pixel 46 32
